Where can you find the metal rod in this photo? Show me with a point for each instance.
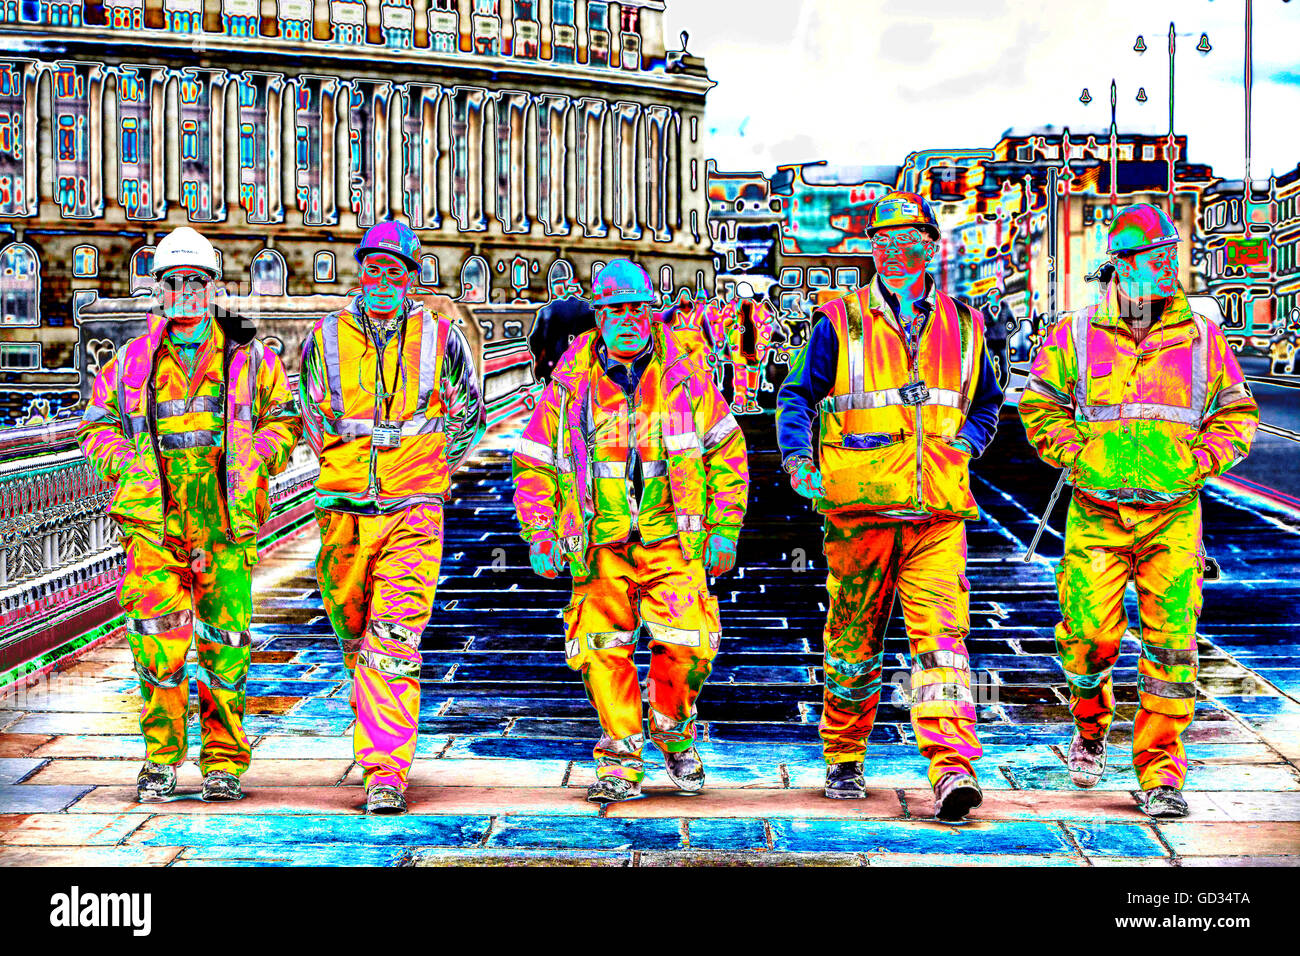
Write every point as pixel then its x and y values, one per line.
pixel 1047 513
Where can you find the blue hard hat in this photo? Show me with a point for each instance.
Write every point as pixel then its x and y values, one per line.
pixel 395 238
pixel 621 280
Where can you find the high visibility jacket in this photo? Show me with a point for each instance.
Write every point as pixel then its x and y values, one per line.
pixel 1138 423
pixel 120 431
pixel 683 427
pixel 390 424
pixel 878 453
pixel 748 326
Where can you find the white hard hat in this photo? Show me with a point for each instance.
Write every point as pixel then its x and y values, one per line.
pixel 745 290
pixel 185 247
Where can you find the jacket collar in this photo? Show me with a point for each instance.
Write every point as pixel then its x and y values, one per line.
pixel 575 365
pixel 881 299
pixel 1175 322
pixel 238 330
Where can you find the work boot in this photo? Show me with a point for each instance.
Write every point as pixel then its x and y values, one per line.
pixel 1086 760
pixel 844 781
pixel 383 799
pixel 613 790
pixel 156 781
pixel 955 795
pixel 219 785
pixel 685 769
pixel 1165 802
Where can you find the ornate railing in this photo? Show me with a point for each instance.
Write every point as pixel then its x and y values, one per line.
pixel 60 560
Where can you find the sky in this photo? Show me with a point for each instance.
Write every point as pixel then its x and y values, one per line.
pixel 862 82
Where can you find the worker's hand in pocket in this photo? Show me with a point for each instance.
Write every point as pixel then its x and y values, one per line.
pixel 807 481
pixel 720 556
pixel 545 558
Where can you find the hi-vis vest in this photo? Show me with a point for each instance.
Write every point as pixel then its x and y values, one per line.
pixel 877 452
pixel 391 453
pixel 1142 410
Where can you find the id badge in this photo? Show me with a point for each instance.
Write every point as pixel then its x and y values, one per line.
pixel 386 435
pixel 914 393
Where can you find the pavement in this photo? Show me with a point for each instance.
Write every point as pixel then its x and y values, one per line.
pixel 506 732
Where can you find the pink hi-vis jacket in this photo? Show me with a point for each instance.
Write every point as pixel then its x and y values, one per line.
pixel 703 446
pixel 119 431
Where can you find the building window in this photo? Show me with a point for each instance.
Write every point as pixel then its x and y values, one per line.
pixel 564 32
pixel 72 146
pixel 666 280
pixel 792 277
pixel 630 38
pixel 324 267
pixel 474 280
pixel 397 22
pixel 254 158
pixel 13 163
pixel 196 144
pixel 528 35
pixel 184 16
pixel 241 18
pixel 295 18
pixel 136 193
pixel 85 262
pixel 429 270
pixel 598 33
pixel 268 273
pixel 559 275
pixel 142 270
pixel 20 356
pixel 444 25
pixel 819 278
pixel 595 271
pixel 487 27
pixel 846 278
pixel 348 22
pixel 20 286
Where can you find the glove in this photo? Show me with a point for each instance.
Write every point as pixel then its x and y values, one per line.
pixel 807 480
pixel 545 558
pixel 720 556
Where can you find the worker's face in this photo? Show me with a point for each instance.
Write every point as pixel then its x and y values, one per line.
pixel 625 327
pixel 385 282
pixel 1152 274
pixel 185 294
pixel 902 252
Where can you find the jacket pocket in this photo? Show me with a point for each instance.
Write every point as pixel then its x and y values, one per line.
pixel 945 478
pixel 138 498
pixel 574 653
pixel 711 621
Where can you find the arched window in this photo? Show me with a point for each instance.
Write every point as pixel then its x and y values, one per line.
pixel 141 270
pixel 20 285
pixel 561 272
pixel 666 280
pixel 429 270
pixel 85 262
pixel 324 266
pixel 268 272
pixel 474 280
pixel 595 271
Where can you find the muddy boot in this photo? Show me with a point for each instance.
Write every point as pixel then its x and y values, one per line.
pixel 156 781
pixel 1086 760
pixel 1165 803
pixel 685 769
pixel 844 781
pixel 955 795
pixel 613 790
pixel 383 800
pixel 219 785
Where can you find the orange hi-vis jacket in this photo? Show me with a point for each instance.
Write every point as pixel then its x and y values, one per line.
pixel 390 426
pixel 1138 423
pixel 254 425
pixel 878 451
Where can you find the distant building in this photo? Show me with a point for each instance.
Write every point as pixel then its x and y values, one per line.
pixel 521 138
pixel 1239 265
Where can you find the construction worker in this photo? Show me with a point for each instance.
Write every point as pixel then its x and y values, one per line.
pixel 392 407
pixel 1162 407
pixel 632 473
pixel 904 394
pixel 748 325
pixel 190 420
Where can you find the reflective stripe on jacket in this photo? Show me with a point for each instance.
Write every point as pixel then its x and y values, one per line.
pixel 119 431
pixel 400 450
pixel 878 452
pixel 704 448
pixel 1149 422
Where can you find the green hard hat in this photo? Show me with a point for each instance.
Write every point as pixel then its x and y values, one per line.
pixel 1138 228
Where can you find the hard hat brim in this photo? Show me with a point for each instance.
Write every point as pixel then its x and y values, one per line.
pixel 1167 241
pixel 364 251
pixel 618 298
